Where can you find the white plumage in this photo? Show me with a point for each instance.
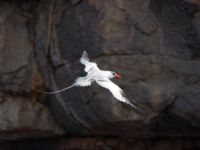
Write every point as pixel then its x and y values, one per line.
pixel 101 77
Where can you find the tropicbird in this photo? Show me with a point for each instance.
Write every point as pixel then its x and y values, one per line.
pixel 101 77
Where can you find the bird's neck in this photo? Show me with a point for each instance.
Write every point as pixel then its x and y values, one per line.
pixel 107 74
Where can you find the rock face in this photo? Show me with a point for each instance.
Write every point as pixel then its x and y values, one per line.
pixel 92 143
pixel 25 118
pixel 154 44
pixel 22 114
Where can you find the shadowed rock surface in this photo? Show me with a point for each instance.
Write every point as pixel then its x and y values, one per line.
pixel 154 44
pixel 109 143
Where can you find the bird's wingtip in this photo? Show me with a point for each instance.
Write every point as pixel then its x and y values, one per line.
pixel 85 55
pixel 84 52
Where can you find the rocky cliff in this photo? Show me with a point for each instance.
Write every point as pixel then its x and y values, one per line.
pixel 154 44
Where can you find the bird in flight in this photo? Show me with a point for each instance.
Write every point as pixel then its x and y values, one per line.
pixel 101 77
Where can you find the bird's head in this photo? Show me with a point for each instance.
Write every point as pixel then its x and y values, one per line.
pixel 114 75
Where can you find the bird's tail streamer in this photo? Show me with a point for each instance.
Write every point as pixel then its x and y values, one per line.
pixel 54 92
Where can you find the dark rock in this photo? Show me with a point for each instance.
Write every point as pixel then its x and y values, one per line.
pixel 25 118
pixel 106 143
pixel 22 114
pixel 154 44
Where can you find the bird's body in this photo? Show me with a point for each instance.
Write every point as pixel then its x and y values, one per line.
pixel 101 77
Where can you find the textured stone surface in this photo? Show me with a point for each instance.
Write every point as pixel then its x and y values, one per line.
pixel 156 52
pixel 22 114
pixel 15 49
pixel 154 44
pixel 25 118
pixel 92 143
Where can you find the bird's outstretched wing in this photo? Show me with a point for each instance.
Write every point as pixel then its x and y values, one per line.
pixel 89 66
pixel 115 90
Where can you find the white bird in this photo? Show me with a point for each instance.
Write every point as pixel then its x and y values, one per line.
pixel 101 77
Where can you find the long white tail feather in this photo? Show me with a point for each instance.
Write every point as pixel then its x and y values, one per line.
pixel 81 81
pixel 54 92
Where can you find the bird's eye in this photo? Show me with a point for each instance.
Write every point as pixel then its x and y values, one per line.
pixel 113 73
